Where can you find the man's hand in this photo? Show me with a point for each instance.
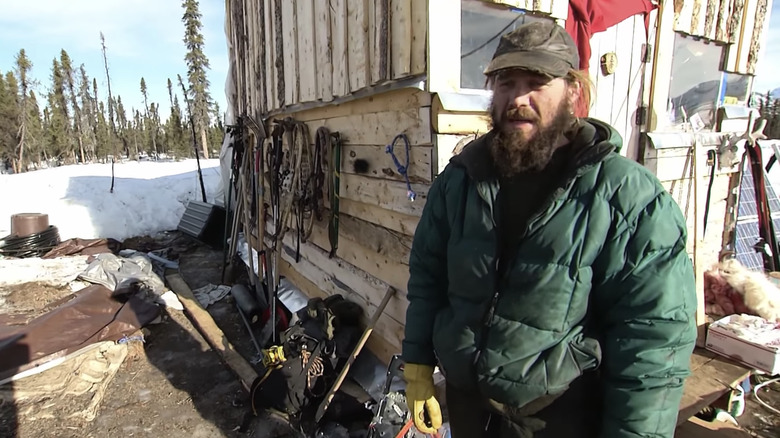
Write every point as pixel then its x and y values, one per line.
pixel 420 396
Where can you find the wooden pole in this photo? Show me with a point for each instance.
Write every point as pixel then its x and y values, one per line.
pixel 366 334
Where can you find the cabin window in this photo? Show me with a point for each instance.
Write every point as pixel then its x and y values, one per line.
pixel 735 89
pixel 696 84
pixel 482 25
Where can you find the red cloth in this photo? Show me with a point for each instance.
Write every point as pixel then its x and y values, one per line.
pixel 587 17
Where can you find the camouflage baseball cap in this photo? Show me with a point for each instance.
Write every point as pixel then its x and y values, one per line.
pixel 540 46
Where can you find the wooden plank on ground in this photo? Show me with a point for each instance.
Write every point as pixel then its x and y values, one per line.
pixel 290 53
pixel 419 37
pixel 307 64
pixel 708 382
pixel 401 36
pixel 210 331
pixel 357 44
pixel 696 428
pixel 322 42
pixel 338 34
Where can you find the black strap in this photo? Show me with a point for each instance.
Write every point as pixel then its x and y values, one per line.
pixel 712 158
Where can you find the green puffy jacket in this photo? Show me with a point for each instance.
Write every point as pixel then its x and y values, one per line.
pixel 601 279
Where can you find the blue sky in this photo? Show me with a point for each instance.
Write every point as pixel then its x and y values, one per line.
pixel 143 38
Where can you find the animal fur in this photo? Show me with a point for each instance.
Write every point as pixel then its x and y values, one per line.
pixel 761 296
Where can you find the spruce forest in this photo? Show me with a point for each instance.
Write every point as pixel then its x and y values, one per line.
pixel 71 120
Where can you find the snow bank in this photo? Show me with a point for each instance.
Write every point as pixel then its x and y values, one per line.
pixel 148 196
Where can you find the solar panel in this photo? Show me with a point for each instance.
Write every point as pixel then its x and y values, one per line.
pixel 747 219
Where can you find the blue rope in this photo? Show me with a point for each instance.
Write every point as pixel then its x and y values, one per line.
pixel 401 168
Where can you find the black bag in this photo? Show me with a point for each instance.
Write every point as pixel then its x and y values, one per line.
pixel 325 333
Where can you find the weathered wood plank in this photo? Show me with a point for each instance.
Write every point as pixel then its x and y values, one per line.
pixel 746 34
pixel 683 16
pixel 419 36
pixel 270 55
pixel 392 220
pixel 358 42
pixel 380 164
pixel 338 33
pixel 379 28
pixel 735 20
pixel 379 128
pixel 758 35
pixel 337 276
pixel 401 37
pixel 307 65
pixel 623 101
pixel 697 18
pixel 406 99
pixel 449 145
pixel 445 122
pixel 605 85
pixel 560 9
pixel 636 83
pixel 710 18
pixel 389 270
pixel 290 51
pixel 390 195
pixel 721 31
pixel 279 54
pixel 211 332
pixel 322 43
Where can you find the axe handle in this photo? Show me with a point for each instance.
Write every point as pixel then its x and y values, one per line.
pixel 343 374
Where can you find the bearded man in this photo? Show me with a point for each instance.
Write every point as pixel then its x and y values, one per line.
pixel 549 276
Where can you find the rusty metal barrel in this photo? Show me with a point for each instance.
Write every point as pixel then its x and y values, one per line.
pixel 27 224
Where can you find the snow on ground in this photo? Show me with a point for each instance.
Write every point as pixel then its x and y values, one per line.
pixel 148 196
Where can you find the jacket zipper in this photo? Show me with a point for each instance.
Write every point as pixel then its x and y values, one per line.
pixel 491 310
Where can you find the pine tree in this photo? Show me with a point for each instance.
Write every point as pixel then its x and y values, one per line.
pixel 148 122
pixel 34 129
pixel 9 120
pixel 89 115
pixel 23 67
pixel 70 87
pixel 111 123
pixel 60 114
pixel 197 64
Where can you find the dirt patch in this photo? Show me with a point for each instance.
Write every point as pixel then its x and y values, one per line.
pixel 30 300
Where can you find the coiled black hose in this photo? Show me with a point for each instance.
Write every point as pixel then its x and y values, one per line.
pixel 34 245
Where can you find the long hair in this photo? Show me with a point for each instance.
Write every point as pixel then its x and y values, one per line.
pixel 587 90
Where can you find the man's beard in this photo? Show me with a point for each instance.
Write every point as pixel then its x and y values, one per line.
pixel 513 152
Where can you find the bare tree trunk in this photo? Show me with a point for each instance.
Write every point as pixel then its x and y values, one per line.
pixel 204 143
pixel 22 131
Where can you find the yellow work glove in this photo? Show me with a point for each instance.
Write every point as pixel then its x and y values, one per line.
pixel 420 396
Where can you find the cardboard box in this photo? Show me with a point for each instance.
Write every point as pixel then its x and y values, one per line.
pixel 748 339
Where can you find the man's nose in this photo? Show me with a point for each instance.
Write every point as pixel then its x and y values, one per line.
pixel 521 98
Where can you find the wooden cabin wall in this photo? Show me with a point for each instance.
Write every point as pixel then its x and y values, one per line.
pixel 558 9
pixel 618 96
pixel 293 52
pixel 376 219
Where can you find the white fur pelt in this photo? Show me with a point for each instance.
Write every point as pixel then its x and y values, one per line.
pixel 760 294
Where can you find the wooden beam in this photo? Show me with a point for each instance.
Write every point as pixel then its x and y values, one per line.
pixel 338 33
pixel 380 128
pixel 406 100
pixel 443 45
pixel 279 50
pixel 401 37
pixel 419 36
pixel 392 220
pixel 380 164
pixel 205 324
pixel 322 43
pixel 357 44
pixel 759 35
pixel 721 27
pixel 379 29
pixel 290 53
pixel 307 61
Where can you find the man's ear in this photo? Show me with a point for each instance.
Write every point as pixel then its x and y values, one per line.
pixel 574 93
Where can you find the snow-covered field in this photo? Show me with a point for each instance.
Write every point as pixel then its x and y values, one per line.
pixel 148 196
